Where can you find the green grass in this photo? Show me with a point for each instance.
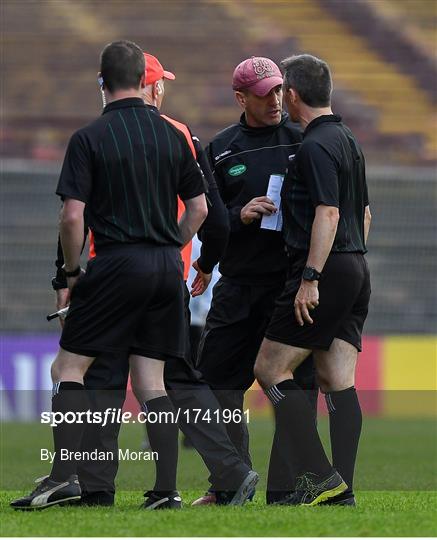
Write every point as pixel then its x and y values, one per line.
pixel 396 483
pixel 379 513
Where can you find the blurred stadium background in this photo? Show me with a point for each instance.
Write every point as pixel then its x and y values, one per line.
pixel 383 57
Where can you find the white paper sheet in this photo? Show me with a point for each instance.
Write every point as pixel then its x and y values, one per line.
pixel 274 222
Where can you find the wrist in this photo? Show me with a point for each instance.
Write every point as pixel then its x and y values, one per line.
pixel 71 272
pixel 59 282
pixel 310 275
pixel 204 267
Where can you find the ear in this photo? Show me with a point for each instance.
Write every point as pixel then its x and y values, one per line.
pixel 155 91
pixel 143 81
pixel 100 80
pixel 293 95
pixel 241 99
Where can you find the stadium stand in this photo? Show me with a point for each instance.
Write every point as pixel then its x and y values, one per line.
pixel 50 52
pixel 402 109
pixel 384 83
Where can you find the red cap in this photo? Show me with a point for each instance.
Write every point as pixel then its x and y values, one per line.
pixel 257 74
pixel 155 71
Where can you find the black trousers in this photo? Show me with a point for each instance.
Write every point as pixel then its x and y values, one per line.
pixel 106 380
pixel 235 327
pixel 188 391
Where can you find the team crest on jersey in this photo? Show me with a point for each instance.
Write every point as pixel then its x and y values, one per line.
pixel 236 170
pixel 262 68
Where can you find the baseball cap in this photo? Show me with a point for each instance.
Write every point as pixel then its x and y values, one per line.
pixel 257 74
pixel 155 71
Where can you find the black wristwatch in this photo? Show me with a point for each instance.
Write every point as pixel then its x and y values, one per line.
pixel 311 274
pixel 73 273
pixel 58 284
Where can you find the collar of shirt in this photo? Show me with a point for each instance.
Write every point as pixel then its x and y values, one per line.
pixel 153 108
pixel 324 118
pixel 123 104
pixel 261 130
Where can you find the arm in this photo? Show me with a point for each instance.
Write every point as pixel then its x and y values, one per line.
pixel 320 173
pixel 214 237
pixel 193 217
pixel 214 232
pixel 241 216
pixel 71 230
pixel 323 232
pixel 59 282
pixel 367 220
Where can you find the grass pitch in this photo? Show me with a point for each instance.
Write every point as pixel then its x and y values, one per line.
pixel 396 490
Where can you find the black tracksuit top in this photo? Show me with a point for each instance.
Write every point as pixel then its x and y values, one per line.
pixel 242 159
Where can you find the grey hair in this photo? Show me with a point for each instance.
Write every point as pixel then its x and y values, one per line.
pixel 310 77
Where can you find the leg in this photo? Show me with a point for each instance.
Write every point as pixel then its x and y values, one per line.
pixel 336 375
pixel 296 432
pixel 148 387
pixel 68 370
pixel 231 339
pixel 187 392
pixel 105 384
pixel 281 477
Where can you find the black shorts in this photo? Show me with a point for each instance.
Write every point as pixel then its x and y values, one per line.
pixel 344 293
pixel 130 301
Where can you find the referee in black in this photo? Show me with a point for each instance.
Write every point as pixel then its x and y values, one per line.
pixel 127 167
pixel 325 300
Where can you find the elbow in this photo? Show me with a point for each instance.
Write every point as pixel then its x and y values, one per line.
pixel 203 212
pixel 332 216
pixel 70 219
pixel 367 215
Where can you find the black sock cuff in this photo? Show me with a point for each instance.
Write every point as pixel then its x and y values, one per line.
pixel 288 384
pixel 336 397
pixel 161 403
pixel 276 392
pixel 350 389
pixel 66 385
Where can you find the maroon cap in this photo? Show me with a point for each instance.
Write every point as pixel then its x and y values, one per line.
pixel 257 74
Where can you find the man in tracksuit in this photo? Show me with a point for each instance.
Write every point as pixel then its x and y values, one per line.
pixel 243 157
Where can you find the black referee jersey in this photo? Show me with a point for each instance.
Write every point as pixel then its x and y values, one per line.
pixel 328 169
pixel 128 166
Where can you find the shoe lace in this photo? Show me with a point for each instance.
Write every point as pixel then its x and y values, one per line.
pixel 40 481
pixel 307 484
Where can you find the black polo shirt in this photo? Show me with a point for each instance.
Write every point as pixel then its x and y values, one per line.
pixel 328 169
pixel 128 166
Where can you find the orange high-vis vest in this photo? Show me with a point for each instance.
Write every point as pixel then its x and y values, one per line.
pixel 186 252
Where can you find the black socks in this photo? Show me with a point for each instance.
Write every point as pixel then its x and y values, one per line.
pixel 296 432
pixel 345 422
pixel 163 437
pixel 68 397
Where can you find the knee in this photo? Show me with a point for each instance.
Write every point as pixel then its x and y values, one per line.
pixel 329 382
pixel 55 372
pixel 263 369
pixel 323 382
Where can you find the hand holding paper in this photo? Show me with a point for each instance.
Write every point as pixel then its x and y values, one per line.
pixel 273 222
